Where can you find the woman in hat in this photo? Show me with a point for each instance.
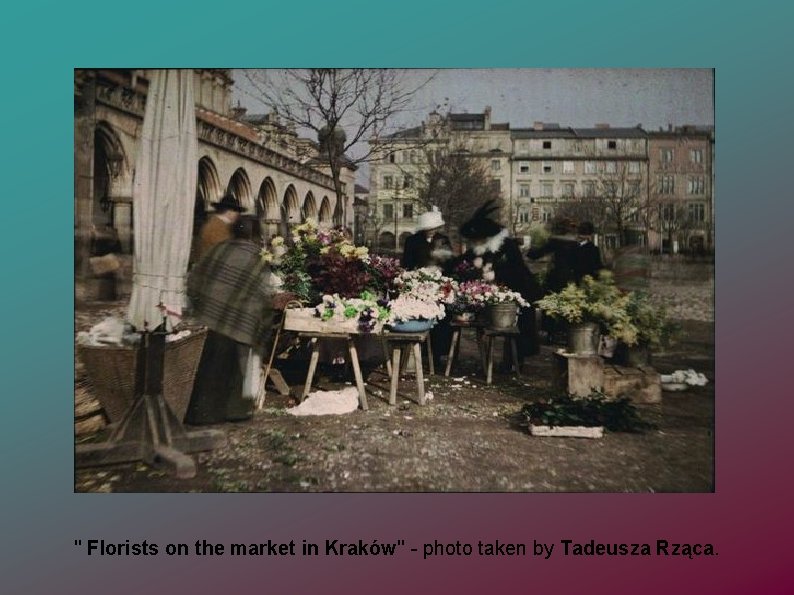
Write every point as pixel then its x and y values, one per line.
pixel 499 259
pixel 220 226
pixel 427 247
pixel 430 248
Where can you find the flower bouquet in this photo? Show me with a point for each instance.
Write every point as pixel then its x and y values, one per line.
pixel 367 312
pixel 423 294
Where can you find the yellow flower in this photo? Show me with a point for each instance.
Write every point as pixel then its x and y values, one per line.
pixel 277 241
pixel 266 256
pixel 362 251
pixel 325 249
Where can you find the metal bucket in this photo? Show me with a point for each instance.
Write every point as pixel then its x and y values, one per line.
pixel 501 316
pixel 583 339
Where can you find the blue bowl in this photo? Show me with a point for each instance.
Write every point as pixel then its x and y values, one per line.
pixel 412 326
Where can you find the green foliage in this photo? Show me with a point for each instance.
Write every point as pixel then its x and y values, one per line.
pixel 618 415
pixel 651 322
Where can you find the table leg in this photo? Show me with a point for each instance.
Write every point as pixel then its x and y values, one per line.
pixel 385 346
pixel 362 393
pixel 395 375
pixel 489 348
pixel 420 378
pixel 514 352
pixel 452 345
pixel 431 364
pixel 312 367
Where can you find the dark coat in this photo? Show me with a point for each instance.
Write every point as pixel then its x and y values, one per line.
pixel 588 260
pixel 418 252
pixel 510 269
pixel 563 264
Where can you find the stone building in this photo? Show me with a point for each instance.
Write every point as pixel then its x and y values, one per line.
pixel 682 189
pixel 258 160
pixel 605 174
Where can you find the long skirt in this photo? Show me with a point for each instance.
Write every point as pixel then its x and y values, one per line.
pixel 217 391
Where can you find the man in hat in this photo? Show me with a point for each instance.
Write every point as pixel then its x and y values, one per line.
pixel 427 247
pixel 220 226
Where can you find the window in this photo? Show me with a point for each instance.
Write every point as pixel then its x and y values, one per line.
pixel 589 189
pixel 567 167
pixel 668 212
pixel 697 212
pixel 634 167
pixel 523 216
pixel 612 144
pixel 590 167
pixel 408 181
pixel 547 167
pixel 666 155
pixel 568 189
pixel 496 184
pixel 408 211
pixel 535 213
pixel 547 190
pixel 523 167
pixel 633 189
pixel 388 212
pixel 496 165
pixel 696 155
pixel 392 158
pixel 547 144
pixel 547 215
pixel 388 181
pixel 666 184
pixel 610 167
pixel 523 190
pixel 696 185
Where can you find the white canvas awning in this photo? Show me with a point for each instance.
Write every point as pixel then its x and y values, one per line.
pixel 164 192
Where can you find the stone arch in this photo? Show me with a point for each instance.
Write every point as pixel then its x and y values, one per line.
pixel 267 203
pixel 110 163
pixel 309 210
pixel 208 184
pixel 324 216
pixel 404 236
pixel 386 240
pixel 290 207
pixel 240 188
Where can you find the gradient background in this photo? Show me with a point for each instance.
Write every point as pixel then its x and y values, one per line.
pixel 749 518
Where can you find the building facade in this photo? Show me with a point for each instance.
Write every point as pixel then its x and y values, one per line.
pixel 260 162
pixel 604 174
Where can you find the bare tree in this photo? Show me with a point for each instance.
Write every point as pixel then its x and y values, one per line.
pixel 341 106
pixel 456 183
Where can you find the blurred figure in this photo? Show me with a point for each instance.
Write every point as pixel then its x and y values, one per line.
pixel 231 291
pixel 588 255
pixel 497 255
pixel 220 226
pixel 562 245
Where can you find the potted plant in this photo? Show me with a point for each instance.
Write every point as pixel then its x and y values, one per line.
pixel 654 330
pixel 501 308
pixel 582 417
pixel 593 307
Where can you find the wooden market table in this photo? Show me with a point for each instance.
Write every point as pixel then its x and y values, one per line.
pixel 486 339
pixel 315 338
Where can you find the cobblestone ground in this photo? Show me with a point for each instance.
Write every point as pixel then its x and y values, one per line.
pixel 685 301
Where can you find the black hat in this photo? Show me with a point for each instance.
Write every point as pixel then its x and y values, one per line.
pixel 228 203
pixel 586 228
pixel 480 225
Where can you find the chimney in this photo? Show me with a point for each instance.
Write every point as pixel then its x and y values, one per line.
pixel 602 126
pixel 537 126
pixel 487 114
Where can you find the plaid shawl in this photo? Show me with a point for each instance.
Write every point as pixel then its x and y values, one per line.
pixel 230 292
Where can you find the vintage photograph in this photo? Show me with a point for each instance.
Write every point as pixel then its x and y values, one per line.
pixel 394 280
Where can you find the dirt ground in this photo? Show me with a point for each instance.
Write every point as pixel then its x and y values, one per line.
pixel 468 438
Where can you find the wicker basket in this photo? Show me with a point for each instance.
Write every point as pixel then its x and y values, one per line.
pixel 111 372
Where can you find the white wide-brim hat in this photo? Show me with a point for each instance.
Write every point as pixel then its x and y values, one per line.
pixel 430 220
